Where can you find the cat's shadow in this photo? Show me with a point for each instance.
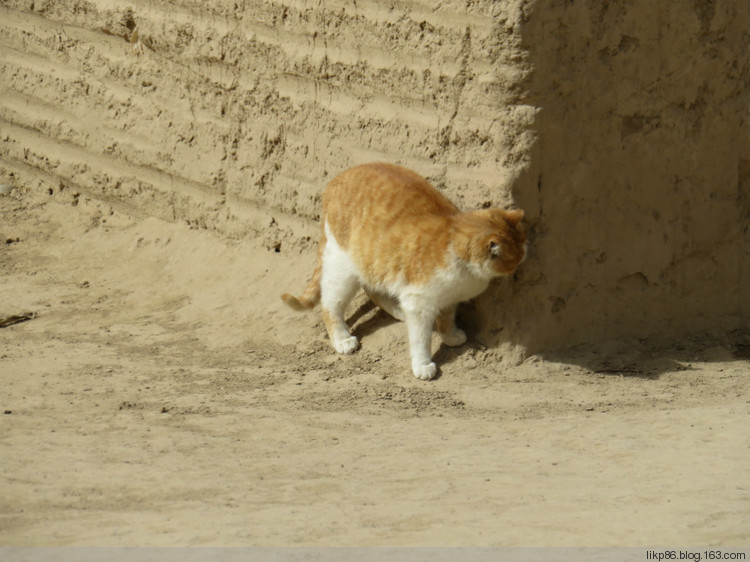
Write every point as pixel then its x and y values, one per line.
pixel 369 318
pixel 445 354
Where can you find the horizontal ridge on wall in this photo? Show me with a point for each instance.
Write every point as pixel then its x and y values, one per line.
pixel 232 105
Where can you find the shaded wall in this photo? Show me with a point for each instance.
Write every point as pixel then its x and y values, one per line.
pixel 639 184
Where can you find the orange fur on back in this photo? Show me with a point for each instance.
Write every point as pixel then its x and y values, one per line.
pixel 390 220
pixel 395 225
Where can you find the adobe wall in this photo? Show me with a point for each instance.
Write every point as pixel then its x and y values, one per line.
pixel 620 127
pixel 639 185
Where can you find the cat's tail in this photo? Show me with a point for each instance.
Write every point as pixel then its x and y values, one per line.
pixel 311 296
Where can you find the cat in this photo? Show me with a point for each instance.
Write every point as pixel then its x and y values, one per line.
pixel 416 255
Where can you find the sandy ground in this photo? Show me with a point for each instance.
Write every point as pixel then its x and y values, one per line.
pixel 162 395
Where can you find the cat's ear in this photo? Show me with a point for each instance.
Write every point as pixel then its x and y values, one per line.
pixel 495 249
pixel 514 217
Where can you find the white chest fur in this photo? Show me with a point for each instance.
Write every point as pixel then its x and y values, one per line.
pixel 459 282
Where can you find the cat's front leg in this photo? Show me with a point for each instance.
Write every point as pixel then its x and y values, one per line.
pixel 419 323
pixel 452 335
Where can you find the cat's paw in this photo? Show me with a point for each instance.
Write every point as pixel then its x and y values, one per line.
pixel 425 372
pixel 455 338
pixel 346 345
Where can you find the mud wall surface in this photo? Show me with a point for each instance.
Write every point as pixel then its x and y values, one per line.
pixel 225 113
pixel 620 127
pixel 642 199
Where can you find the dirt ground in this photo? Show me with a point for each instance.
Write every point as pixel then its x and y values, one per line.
pixel 158 393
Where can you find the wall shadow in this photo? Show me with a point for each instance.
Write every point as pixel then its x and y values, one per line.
pixel 650 359
pixel 634 190
pixel 369 318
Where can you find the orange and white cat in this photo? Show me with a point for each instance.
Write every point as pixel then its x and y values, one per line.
pixel 416 255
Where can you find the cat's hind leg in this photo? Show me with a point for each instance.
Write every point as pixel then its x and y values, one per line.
pixel 452 335
pixel 338 285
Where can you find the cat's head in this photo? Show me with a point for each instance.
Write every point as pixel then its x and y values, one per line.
pixel 494 240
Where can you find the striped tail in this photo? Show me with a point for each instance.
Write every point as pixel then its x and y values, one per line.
pixel 311 296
